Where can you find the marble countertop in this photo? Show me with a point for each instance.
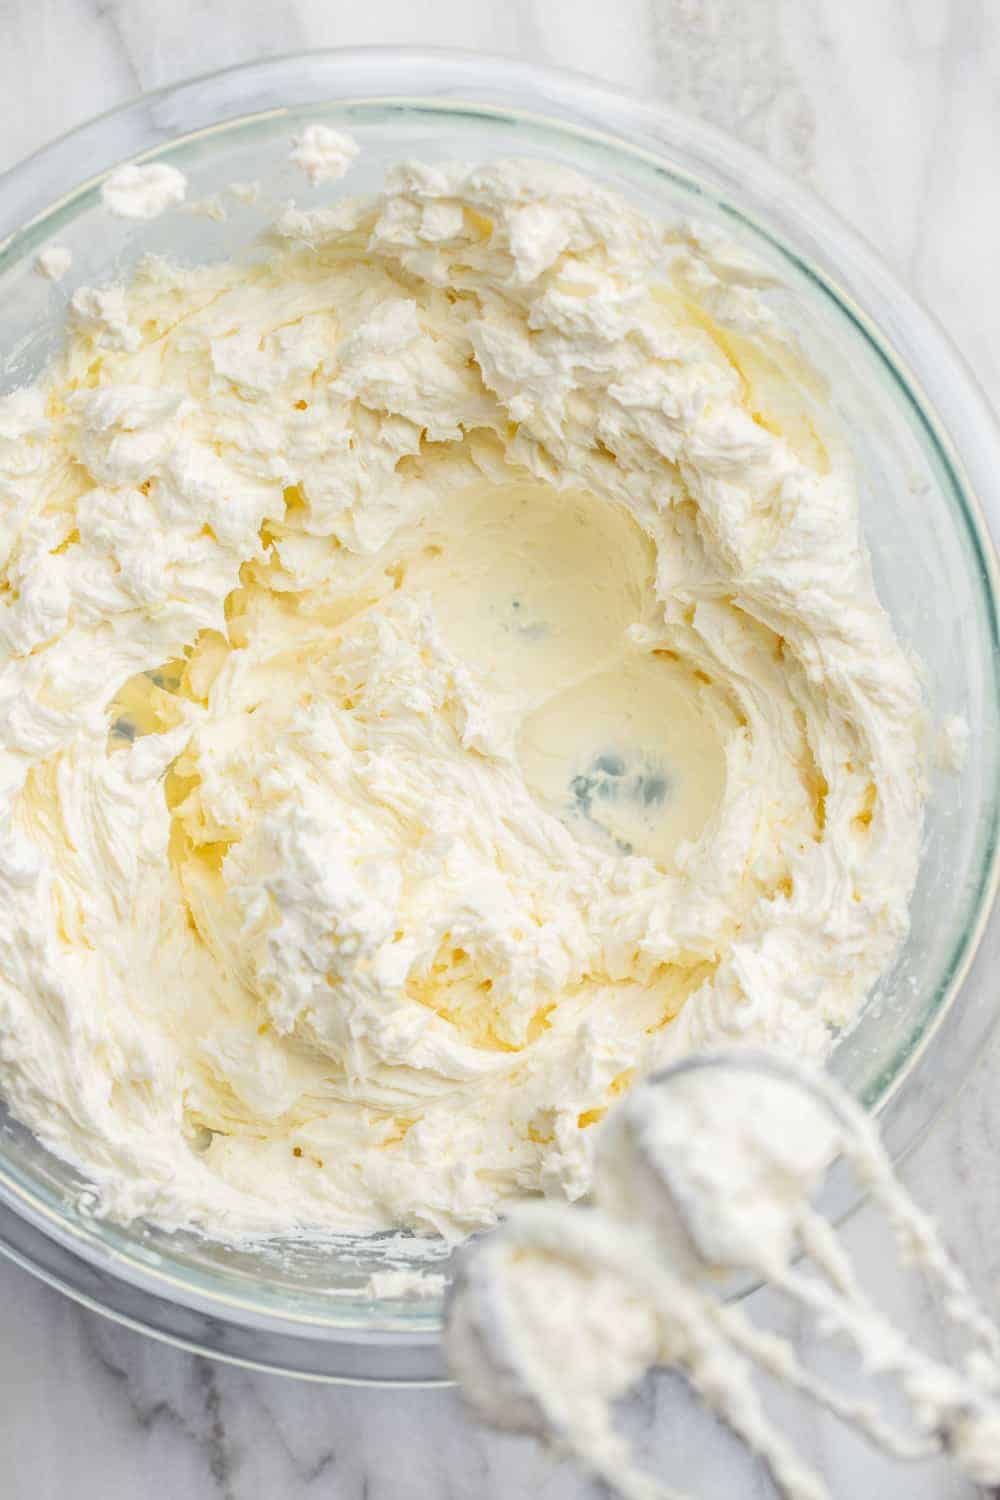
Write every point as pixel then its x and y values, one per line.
pixel 891 110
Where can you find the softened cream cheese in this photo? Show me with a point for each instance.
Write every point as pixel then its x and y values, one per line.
pixel 441 680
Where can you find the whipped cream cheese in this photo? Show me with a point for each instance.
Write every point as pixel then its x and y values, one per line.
pixel 138 191
pixel 441 680
pixel 323 154
pixel 54 262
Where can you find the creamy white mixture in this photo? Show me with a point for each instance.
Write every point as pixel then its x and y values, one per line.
pixel 138 191
pixel 441 680
pixel 323 154
pixel 712 1170
pixel 54 262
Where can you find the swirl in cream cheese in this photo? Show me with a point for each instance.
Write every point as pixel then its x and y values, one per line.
pixel 441 680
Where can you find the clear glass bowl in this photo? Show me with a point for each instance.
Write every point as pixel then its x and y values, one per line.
pixel 928 458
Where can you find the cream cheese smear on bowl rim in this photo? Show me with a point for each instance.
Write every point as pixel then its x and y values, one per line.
pixel 441 681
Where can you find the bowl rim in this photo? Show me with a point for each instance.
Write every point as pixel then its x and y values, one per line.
pixel 946 395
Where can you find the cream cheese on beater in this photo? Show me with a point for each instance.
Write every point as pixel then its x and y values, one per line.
pixel 440 680
pixel 708 1169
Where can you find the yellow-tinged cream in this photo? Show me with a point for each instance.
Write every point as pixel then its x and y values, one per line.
pixel 440 680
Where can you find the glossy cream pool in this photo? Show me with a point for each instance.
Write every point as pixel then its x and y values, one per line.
pixel 441 681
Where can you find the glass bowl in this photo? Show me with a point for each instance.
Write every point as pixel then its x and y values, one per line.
pixel 928 460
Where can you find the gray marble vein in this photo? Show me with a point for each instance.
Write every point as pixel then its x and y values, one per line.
pixel 891 109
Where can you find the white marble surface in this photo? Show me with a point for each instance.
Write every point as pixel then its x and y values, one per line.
pixel 891 109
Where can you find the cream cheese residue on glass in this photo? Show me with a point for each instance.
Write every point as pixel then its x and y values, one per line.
pixel 441 681
pixel 143 190
pixel 323 154
pixel 54 262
